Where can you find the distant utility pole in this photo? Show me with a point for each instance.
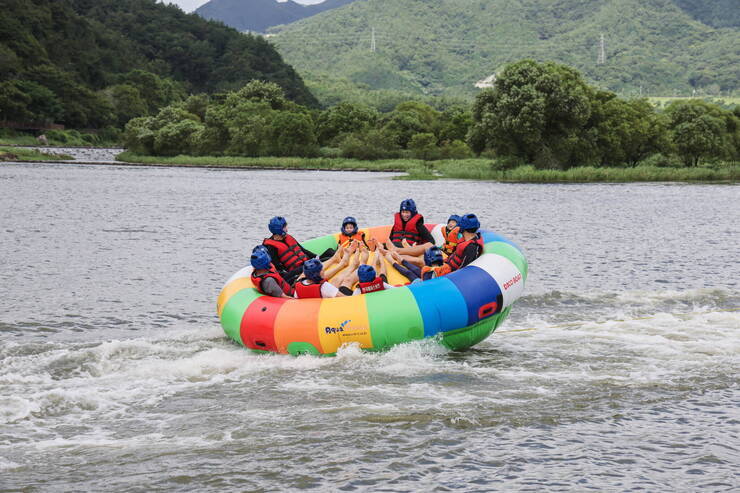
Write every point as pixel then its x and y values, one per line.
pixel 372 42
pixel 602 52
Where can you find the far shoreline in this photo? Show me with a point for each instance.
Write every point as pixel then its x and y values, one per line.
pixel 479 169
pixel 475 169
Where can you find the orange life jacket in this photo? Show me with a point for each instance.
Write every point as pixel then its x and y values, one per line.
pixel 257 280
pixel 289 252
pixel 452 238
pixel 344 240
pixel 312 290
pixel 408 230
pixel 376 284
pixel 456 259
pixel 437 271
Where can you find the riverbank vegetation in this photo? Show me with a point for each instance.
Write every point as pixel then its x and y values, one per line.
pixel 469 169
pixel 538 116
pixel 62 138
pixel 20 154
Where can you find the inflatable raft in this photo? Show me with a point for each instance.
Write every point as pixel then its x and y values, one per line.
pixel 459 309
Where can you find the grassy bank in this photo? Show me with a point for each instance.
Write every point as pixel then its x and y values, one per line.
pixel 59 138
pixel 470 169
pixel 20 154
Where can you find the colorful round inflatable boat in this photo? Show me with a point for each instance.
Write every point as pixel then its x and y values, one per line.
pixel 459 309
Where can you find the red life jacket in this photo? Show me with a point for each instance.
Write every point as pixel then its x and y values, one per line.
pixel 289 252
pixel 456 259
pixel 372 286
pixel 345 240
pixel 257 280
pixel 409 230
pixel 312 290
pixel 437 271
pixel 452 238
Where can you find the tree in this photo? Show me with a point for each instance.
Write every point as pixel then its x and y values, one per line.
pixel 127 102
pixel 343 119
pixel 627 131
pixel 536 111
pixel 424 146
pixel 408 119
pixel 292 134
pixel 702 130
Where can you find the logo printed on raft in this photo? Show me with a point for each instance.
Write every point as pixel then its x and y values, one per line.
pixel 512 281
pixel 334 330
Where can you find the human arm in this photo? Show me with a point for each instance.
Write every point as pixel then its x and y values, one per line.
pixel 424 234
pixel 272 288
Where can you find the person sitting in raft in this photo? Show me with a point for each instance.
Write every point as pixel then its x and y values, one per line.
pixel 350 233
pixel 287 254
pixel 266 279
pixel 451 234
pixel 434 265
pixel 470 246
pixel 408 233
pixel 315 285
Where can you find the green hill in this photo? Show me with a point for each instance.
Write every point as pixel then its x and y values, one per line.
pixel 444 47
pixel 259 15
pixel 78 61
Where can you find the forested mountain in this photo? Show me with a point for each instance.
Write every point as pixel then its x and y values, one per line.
pixel 259 15
pixel 91 63
pixel 444 47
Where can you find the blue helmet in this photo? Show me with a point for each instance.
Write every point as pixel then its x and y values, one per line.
pixel 455 218
pixel 277 225
pixel 312 269
pixel 260 259
pixel 261 247
pixel 432 255
pixel 366 273
pixel 349 220
pixel 469 221
pixel 409 205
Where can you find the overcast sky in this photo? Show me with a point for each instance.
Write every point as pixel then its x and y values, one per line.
pixel 190 5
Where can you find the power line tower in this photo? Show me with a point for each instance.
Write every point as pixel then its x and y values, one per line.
pixel 372 42
pixel 601 60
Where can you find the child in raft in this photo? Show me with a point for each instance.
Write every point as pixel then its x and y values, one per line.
pixel 265 278
pixel 288 256
pixel 451 234
pixel 350 234
pixel 470 246
pixel 409 234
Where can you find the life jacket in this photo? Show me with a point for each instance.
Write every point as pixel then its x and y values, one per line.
pixel 312 290
pixel 437 271
pixel 452 238
pixel 376 284
pixel 257 280
pixel 289 252
pixel 409 231
pixel 456 259
pixel 344 240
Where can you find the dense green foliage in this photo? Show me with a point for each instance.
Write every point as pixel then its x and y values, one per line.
pixel 545 114
pixel 656 47
pixel 539 114
pixel 94 63
pixel 259 15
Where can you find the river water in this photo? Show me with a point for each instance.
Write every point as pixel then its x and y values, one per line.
pixel 617 370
